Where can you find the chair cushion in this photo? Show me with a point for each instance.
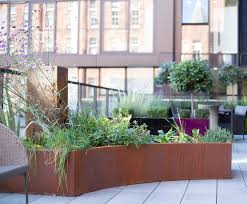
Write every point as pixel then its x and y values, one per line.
pixel 11 170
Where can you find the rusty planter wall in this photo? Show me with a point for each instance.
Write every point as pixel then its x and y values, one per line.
pixel 104 167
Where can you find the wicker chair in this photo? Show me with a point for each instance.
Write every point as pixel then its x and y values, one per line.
pixel 13 158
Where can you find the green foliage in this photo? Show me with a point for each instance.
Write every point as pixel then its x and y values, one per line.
pixel 158 109
pixel 174 135
pixel 163 76
pixel 202 113
pixel 139 105
pixel 191 76
pixel 219 135
pixel 230 104
pixel 184 113
pixel 243 101
pixel 229 75
pixel 118 112
pixel 84 131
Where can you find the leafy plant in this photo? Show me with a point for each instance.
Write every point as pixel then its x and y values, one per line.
pixel 218 135
pixel 84 131
pixel 184 113
pixel 191 76
pixel 197 137
pixel 243 101
pixel 199 113
pixel 229 75
pixel 165 137
pixel 139 105
pixel 163 76
pixel 118 112
pixel 231 104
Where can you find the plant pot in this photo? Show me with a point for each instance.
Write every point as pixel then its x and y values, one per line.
pixel 155 124
pixel 110 166
pixel 194 123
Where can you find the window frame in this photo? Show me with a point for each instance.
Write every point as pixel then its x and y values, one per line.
pixel 191 23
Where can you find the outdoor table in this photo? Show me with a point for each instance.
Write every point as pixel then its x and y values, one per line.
pixel 213 114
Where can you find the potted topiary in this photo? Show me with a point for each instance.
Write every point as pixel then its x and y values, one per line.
pixel 230 75
pixel 193 76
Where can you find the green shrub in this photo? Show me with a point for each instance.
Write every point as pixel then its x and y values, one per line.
pixel 217 135
pixel 199 113
pixel 191 76
pixel 139 105
pixel 84 131
pixel 230 105
pixel 184 113
pixel 118 112
pixel 163 76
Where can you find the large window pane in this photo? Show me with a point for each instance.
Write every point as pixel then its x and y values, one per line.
pixel 141 26
pixel 89 26
pixel 113 78
pixel 43 27
pixel 92 77
pixel 67 27
pixel 195 42
pixel 115 25
pixel 4 29
pixel 195 11
pixel 19 28
pixel 140 80
pixel 224 27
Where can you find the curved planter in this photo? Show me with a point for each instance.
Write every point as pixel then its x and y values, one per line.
pixel 110 166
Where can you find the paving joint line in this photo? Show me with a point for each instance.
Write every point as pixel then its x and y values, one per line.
pixel 115 195
pixel 184 192
pixel 217 185
pixel 151 193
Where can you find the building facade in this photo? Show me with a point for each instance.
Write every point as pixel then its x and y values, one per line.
pixel 120 43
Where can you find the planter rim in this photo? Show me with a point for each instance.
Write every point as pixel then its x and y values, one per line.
pixel 133 146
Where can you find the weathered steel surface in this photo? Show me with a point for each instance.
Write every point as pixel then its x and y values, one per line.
pixel 105 167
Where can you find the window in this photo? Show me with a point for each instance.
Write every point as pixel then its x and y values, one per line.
pixel 134 44
pixel 93 47
pixel 4 28
pixel 18 21
pixel 141 26
pixel 114 5
pixel 92 4
pixel 89 27
pixel 140 80
pixel 43 16
pixel 93 18
pixel 115 18
pixel 113 78
pixel 135 17
pixel 197 50
pixel 67 33
pixel 224 27
pixel 195 42
pixel 92 77
pixel 195 11
pixel 115 29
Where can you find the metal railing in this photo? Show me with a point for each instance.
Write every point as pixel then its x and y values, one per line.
pixel 96 99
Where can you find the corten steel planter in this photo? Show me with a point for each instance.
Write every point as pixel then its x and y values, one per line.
pixel 105 167
pixel 194 123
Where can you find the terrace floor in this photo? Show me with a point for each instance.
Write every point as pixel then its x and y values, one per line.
pixel 172 192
